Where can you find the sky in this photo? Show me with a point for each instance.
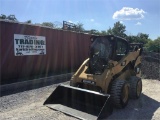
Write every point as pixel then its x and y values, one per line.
pixel 139 16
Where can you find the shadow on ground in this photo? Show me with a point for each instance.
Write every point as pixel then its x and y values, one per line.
pixel 32 84
pixel 142 108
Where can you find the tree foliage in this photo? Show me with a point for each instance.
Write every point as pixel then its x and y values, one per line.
pixel 94 31
pixel 153 46
pixel 28 21
pixel 48 24
pixel 9 17
pixel 118 30
pixel 80 27
pixel 12 17
pixel 3 16
pixel 139 38
pixel 103 32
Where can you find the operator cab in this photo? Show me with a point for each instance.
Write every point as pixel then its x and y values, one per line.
pixel 103 49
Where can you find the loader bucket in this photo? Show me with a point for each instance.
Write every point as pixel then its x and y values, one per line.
pixel 80 103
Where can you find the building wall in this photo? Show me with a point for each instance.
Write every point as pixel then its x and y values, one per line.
pixel 65 51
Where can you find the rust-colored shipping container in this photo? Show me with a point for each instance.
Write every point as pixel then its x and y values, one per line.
pixel 65 51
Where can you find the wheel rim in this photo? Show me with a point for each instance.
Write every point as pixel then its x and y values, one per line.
pixel 125 93
pixel 139 88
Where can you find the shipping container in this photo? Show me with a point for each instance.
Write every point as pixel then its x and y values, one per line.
pixel 65 52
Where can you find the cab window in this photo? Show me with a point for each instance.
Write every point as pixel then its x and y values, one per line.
pixel 121 49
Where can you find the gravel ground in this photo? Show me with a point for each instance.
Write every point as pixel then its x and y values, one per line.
pixel 28 105
pixel 150 65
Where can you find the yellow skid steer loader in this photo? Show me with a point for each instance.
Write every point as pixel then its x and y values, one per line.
pixel 109 77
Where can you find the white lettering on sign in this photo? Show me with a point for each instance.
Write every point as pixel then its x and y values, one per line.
pixel 29 45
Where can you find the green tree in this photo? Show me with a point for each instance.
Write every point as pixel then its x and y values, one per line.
pixel 143 35
pixel 132 39
pixel 80 27
pixel 12 17
pixel 139 38
pixel 118 30
pixel 153 46
pixel 28 21
pixel 93 31
pixel 143 38
pixel 103 32
pixel 58 25
pixel 48 24
pixel 109 31
pixel 3 16
pixel 9 17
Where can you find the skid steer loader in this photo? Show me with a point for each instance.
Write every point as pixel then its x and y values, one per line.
pixel 109 77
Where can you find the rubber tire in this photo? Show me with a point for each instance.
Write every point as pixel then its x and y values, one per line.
pixel 133 87
pixel 117 93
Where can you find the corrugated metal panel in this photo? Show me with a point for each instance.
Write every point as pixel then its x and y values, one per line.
pixel 65 51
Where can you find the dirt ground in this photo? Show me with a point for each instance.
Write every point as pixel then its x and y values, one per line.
pixel 28 105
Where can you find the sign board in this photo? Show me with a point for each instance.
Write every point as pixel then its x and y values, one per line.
pixel 29 45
